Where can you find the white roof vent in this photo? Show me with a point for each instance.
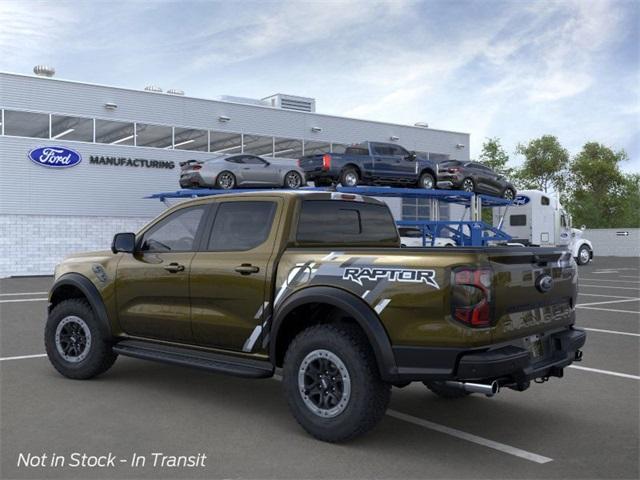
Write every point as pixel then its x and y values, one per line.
pixel 44 71
pixel 175 91
pixel 153 88
pixel 292 102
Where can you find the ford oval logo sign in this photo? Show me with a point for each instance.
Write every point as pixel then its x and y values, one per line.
pixel 55 157
pixel 544 283
pixel 521 200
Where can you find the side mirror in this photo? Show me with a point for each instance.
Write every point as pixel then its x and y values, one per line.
pixel 583 228
pixel 124 242
pixel 412 156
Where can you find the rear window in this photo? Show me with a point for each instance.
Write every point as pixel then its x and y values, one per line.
pixel 343 222
pixel 518 220
pixel 356 151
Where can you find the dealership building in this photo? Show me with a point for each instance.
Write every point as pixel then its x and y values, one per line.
pixel 129 144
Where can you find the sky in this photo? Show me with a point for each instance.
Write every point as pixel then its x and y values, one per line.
pixel 509 69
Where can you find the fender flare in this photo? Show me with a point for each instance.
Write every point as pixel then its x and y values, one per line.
pixel 580 243
pixel 92 295
pixel 355 307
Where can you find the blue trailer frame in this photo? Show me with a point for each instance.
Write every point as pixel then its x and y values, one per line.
pixel 473 232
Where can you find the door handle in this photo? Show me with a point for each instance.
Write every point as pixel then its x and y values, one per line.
pixel 174 268
pixel 246 269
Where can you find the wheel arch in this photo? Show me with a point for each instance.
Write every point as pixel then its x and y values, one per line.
pixel 75 285
pixel 354 166
pixel 285 326
pixel 430 171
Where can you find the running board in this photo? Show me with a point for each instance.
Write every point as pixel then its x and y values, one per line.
pixel 188 357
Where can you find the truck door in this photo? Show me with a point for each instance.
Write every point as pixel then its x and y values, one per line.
pixel 229 276
pixel 564 232
pixel 152 286
pixel 383 160
pixel 403 167
pixel 257 171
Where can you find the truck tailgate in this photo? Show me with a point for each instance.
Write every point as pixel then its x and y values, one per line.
pixel 534 291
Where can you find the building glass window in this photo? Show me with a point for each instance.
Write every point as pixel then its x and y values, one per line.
pixel 314 148
pixel 157 136
pixel 258 145
pixel 225 142
pixel 190 139
pixel 114 133
pixel 287 148
pixel 26 124
pixel 71 128
pixel 415 209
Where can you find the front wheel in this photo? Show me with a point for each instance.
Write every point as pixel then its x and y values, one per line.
pixel 427 181
pixel 468 185
pixel 332 383
pixel 75 343
pixel 226 180
pixel 509 194
pixel 584 255
pixel 293 180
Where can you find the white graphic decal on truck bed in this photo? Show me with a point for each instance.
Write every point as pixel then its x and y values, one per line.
pixel 357 274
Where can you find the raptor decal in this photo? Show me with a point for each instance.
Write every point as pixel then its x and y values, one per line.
pixel 357 274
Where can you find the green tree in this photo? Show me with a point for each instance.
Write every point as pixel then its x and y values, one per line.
pixel 545 164
pixel 494 156
pixel 600 195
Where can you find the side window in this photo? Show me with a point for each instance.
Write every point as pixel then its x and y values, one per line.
pixel 235 160
pixel 381 150
pixel 241 226
pixel 251 160
pixel 563 220
pixel 518 220
pixel 175 233
pixel 399 151
pixel 544 201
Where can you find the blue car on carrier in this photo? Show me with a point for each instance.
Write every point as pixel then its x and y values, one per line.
pixel 371 163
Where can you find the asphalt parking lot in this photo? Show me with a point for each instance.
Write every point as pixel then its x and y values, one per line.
pixel 585 425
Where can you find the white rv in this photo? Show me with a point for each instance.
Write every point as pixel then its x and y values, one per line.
pixel 536 218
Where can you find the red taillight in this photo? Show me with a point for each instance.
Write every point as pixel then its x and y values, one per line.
pixel 471 296
pixel 299 162
pixel 326 161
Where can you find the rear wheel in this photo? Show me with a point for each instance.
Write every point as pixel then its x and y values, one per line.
pixel 226 180
pixel 427 181
pixel 293 180
pixel 75 343
pixel 349 177
pixel 332 383
pixel 468 185
pixel 584 255
pixel 440 389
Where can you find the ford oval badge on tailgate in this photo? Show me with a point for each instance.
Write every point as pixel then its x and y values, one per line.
pixel 544 283
pixel 55 157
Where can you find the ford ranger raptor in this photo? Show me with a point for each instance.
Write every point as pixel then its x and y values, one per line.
pixel 315 284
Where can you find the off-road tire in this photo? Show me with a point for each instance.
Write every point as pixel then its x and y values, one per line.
pixel 369 395
pixel 100 355
pixel 346 173
pixel 440 389
pixel 425 177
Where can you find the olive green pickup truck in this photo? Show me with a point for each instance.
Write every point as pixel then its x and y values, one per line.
pixel 317 284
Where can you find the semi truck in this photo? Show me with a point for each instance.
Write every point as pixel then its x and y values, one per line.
pixel 538 219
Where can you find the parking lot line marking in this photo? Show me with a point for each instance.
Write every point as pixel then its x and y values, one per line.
pixel 606 372
pixel 613 287
pixel 608 280
pixel 23 357
pixel 14 300
pixel 616 332
pixel 600 295
pixel 608 310
pixel 608 301
pixel 533 457
pixel 22 293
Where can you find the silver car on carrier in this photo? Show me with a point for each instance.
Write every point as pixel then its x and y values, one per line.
pixel 241 170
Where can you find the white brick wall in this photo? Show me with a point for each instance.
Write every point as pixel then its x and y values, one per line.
pixel 34 244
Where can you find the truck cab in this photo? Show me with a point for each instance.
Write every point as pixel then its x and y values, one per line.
pixel 538 219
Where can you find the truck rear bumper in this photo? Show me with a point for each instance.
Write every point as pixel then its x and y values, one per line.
pixel 507 363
